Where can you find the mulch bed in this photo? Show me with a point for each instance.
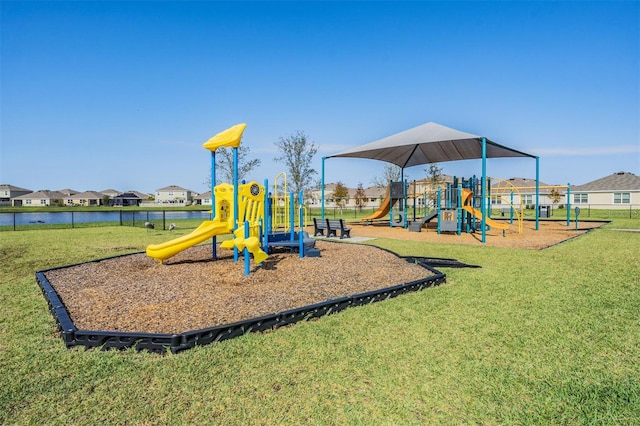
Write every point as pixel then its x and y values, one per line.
pixel 191 291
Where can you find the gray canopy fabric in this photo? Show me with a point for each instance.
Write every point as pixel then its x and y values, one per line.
pixel 429 143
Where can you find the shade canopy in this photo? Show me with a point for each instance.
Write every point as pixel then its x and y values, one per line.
pixel 429 143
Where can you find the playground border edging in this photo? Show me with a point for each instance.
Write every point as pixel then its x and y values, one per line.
pixel 159 343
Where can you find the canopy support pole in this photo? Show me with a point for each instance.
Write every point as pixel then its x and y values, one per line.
pixel 537 193
pixel 483 190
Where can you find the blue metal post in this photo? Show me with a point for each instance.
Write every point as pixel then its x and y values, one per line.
pixel 390 205
pixel 483 189
pixel 568 203
pixel 459 210
pixel 405 195
pixel 267 218
pixel 301 227
pixel 511 210
pixel 538 192
pixel 438 207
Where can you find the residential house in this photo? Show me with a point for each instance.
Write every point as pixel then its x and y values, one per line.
pixel 620 190
pixel 203 199
pixel 125 199
pixel 85 199
pixel 174 195
pixel 516 191
pixel 8 192
pixel 111 193
pixel 40 199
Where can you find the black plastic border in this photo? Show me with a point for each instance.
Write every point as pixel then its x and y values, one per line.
pixel 160 343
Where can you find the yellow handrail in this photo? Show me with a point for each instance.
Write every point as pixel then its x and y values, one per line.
pixel 280 204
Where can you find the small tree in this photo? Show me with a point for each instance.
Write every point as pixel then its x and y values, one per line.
pixel 296 152
pixel 224 165
pixel 391 173
pixel 340 194
pixel 434 176
pixel 555 196
pixel 360 197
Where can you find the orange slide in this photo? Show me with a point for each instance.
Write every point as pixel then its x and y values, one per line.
pixel 466 195
pixel 382 211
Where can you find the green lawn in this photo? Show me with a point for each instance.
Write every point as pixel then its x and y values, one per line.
pixel 534 337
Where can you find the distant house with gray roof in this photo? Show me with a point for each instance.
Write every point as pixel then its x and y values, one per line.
pixel 620 190
pixel 203 199
pixel 518 190
pixel 85 199
pixel 174 195
pixel 8 192
pixel 40 198
pixel 125 199
pixel 111 192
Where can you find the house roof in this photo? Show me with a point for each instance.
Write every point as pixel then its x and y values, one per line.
pixel 67 191
pixel 7 187
pixel 429 143
pixel 620 181
pixel 526 186
pixel 173 188
pixel 43 194
pixel 87 194
pixel 130 195
pixel 133 194
pixel 110 191
pixel 518 182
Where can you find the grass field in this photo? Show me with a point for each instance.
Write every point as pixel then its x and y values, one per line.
pixel 534 337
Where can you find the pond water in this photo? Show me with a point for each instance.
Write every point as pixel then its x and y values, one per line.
pixel 69 218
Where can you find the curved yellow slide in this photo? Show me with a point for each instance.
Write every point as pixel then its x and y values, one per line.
pixel 494 224
pixel 382 211
pixel 206 230
pixel 252 244
pixel 478 213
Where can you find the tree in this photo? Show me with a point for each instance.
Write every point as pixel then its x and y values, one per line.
pixel 340 194
pixel 434 176
pixel 434 173
pixel 555 196
pixel 296 152
pixel 224 165
pixel 391 173
pixel 360 197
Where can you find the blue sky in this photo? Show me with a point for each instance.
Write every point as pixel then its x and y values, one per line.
pixel 121 95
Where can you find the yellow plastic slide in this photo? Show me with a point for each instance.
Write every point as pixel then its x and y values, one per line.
pixel 382 211
pixel 466 194
pixel 206 230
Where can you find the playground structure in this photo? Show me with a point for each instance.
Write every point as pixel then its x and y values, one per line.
pixel 462 209
pixel 245 211
pixel 392 207
pixel 455 206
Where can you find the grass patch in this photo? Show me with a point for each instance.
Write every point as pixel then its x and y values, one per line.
pixel 534 337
